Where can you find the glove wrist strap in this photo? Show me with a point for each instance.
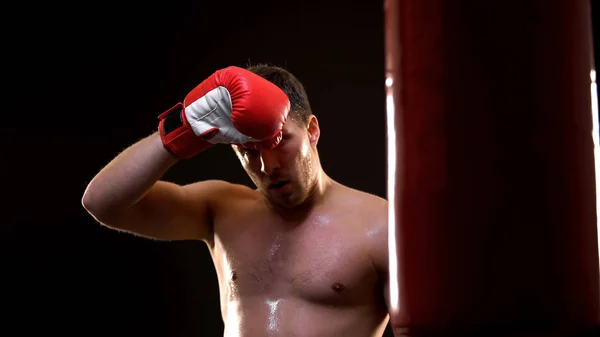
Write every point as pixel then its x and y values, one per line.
pixel 177 136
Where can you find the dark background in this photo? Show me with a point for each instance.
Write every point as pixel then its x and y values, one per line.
pixel 86 80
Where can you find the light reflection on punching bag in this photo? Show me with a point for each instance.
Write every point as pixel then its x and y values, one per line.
pixel 493 227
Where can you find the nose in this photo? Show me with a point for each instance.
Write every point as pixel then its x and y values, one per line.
pixel 268 162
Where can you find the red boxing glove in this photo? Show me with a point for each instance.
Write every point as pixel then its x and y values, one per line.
pixel 232 106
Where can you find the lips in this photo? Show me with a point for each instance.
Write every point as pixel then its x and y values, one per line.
pixel 278 184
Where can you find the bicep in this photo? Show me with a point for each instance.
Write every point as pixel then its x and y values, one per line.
pixel 169 212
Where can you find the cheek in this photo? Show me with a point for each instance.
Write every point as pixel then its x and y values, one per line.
pixel 305 150
pixel 304 158
pixel 295 154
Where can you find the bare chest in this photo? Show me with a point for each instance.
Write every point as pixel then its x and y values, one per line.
pixel 315 261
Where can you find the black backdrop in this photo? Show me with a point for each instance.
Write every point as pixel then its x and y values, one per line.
pixel 85 80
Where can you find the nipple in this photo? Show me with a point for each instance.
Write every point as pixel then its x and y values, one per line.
pixel 338 287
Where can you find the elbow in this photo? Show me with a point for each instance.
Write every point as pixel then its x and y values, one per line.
pixel 88 203
pixel 96 209
pixel 100 207
pixel 91 203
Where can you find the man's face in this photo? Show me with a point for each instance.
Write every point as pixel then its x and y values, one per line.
pixel 285 174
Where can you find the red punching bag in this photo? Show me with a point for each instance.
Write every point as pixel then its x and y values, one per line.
pixel 493 228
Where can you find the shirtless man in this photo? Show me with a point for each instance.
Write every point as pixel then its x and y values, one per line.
pixel 300 255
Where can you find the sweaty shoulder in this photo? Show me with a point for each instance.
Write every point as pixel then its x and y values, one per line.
pixel 370 213
pixel 216 192
pixel 370 205
pixel 213 198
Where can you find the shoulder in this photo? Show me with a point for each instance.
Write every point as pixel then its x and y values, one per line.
pixel 372 212
pixel 218 186
pixel 218 192
pixel 369 210
pixel 214 199
pixel 366 203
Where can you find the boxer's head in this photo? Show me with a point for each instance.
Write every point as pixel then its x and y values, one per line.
pixel 286 174
pixel 299 105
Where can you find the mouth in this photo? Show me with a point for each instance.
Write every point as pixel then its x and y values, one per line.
pixel 278 185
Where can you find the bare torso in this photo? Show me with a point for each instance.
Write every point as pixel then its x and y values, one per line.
pixel 313 276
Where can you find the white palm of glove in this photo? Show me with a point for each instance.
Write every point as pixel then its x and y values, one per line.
pixel 211 111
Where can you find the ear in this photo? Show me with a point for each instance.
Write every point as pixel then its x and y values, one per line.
pixel 314 132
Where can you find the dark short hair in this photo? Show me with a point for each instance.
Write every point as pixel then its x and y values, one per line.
pixel 300 109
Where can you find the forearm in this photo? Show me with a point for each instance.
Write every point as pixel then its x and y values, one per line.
pixel 128 177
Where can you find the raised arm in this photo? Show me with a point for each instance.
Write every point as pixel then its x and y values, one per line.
pixel 232 106
pixel 127 195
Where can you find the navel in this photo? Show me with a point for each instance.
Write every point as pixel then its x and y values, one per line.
pixel 233 275
pixel 338 287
